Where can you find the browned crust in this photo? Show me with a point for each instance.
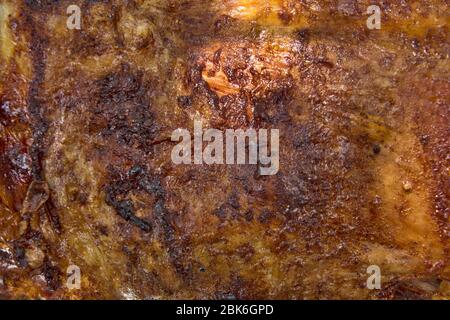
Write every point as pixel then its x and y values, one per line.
pixel 86 176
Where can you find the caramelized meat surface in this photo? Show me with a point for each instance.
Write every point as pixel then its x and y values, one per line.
pixel 86 176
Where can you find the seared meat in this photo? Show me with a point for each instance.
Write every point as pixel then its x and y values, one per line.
pixel 86 176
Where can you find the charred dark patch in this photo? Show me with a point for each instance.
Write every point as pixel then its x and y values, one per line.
pixel 38 44
pixel 232 209
pixel 265 216
pixel 135 127
pixel 137 179
pixel 177 248
pixel 123 110
pixel 121 86
pixel 152 186
pixel 325 63
pixel 185 101
pixel 304 35
pixel 125 209
pixel 376 149
pixel 19 255
pixel 41 4
pixel 52 213
pixel 51 274
pixel 271 109
pixel 102 229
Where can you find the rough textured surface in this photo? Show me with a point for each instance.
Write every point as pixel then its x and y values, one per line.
pixel 86 176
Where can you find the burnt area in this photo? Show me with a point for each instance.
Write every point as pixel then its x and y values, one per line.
pixel 40 125
pixel 51 274
pixel 137 179
pixel 123 109
pixel 125 209
pixel 39 5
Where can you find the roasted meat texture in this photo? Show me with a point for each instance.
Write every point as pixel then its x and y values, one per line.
pixel 86 176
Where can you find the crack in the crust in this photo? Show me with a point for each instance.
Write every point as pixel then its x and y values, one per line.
pixel 34 106
pixel 125 209
pixel 37 47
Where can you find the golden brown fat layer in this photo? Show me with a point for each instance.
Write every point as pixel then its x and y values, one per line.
pixel 85 122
